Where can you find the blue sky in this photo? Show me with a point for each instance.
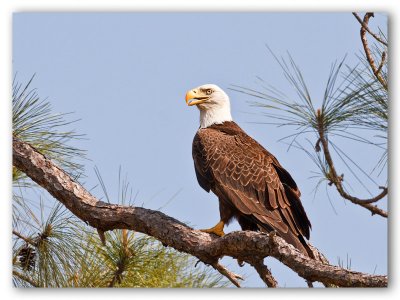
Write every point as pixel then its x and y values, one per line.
pixel 125 76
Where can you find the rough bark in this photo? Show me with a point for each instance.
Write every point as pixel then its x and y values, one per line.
pixel 376 37
pixel 242 245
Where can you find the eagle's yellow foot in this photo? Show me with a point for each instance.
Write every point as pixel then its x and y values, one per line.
pixel 217 229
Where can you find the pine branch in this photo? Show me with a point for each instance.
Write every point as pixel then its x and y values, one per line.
pixel 337 180
pixel 375 70
pixel 365 26
pixel 171 232
pixel 24 238
pixel 25 278
pixel 264 272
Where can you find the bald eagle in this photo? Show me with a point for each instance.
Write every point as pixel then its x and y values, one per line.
pixel 251 185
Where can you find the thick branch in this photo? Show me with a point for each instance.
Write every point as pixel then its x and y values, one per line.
pixel 375 70
pixel 208 248
pixel 337 180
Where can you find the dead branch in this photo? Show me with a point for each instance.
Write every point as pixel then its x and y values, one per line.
pixel 337 180
pixel 371 61
pixel 376 37
pixel 171 232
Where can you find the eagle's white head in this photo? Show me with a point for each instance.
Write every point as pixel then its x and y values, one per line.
pixel 212 102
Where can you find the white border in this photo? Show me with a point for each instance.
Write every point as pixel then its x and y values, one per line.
pixel 7 7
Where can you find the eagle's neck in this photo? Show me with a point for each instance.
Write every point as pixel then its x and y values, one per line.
pixel 216 115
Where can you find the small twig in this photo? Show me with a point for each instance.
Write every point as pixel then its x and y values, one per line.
pixel 383 59
pixel 27 240
pixel 367 51
pixel 264 272
pixel 369 31
pixel 25 278
pixel 228 274
pixel 102 236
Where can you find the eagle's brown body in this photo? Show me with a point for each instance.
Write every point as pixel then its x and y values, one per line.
pixel 250 183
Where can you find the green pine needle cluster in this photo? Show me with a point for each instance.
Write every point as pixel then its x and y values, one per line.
pixel 34 122
pixel 67 253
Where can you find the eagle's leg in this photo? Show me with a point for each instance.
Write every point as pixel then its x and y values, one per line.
pixel 217 229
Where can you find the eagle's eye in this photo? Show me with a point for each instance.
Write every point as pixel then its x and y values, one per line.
pixel 209 92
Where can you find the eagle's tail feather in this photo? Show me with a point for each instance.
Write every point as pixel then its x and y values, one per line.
pixel 297 241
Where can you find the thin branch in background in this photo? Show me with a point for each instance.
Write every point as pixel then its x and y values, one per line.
pixel 344 157
pixel 370 107
pixel 354 103
pixel 383 61
pixel 368 51
pixel 26 239
pixel 365 26
pixel 25 278
pixel 337 180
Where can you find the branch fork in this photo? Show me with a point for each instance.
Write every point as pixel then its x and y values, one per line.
pixel 336 180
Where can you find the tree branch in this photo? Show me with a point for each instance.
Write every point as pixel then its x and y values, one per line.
pixel 368 30
pixel 24 238
pixel 383 60
pixel 337 180
pixel 171 232
pixel 368 54
pixel 228 274
pixel 264 272
pixel 25 278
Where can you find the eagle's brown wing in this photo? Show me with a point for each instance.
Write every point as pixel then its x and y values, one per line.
pixel 231 163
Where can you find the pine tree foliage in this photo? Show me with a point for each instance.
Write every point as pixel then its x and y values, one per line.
pixel 134 260
pixel 53 248
pixel 34 122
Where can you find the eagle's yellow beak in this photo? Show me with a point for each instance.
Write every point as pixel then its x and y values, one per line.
pixel 194 97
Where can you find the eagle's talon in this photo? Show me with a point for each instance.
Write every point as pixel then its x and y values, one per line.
pixel 217 229
pixel 211 230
